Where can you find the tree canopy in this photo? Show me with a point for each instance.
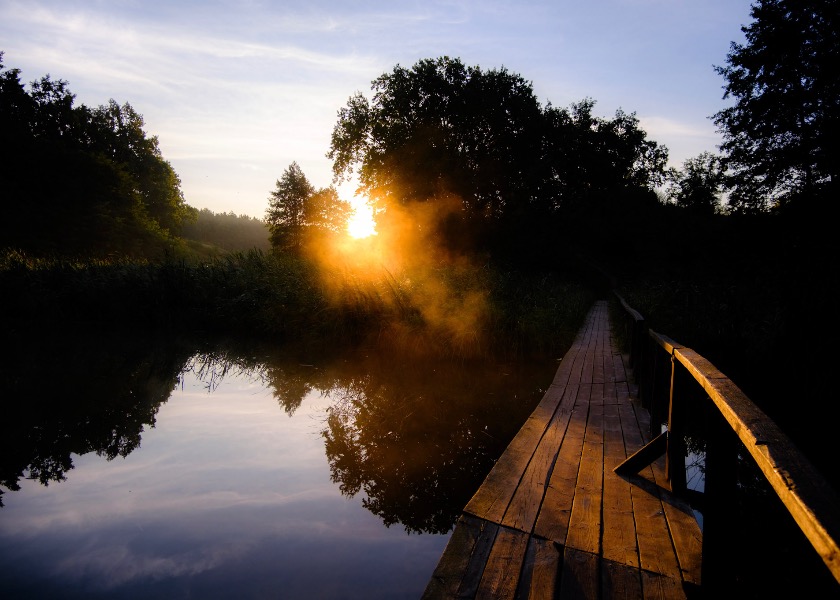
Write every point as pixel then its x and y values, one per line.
pixel 81 181
pixel 699 185
pixel 781 134
pixel 297 212
pixel 442 129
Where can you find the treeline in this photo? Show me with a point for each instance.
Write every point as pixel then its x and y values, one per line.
pixel 82 181
pixel 501 171
pixel 218 233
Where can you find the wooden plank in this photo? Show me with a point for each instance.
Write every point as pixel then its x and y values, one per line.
pixel 683 526
pixel 585 522
pixel 659 587
pixel 579 576
pixel 492 499
pixel 545 571
pixel 619 532
pixel 553 519
pixel 620 582
pixel 478 560
pixel 656 553
pixel 618 367
pixel 501 575
pixel 453 563
pixel 525 504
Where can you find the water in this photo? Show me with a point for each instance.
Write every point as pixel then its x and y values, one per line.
pixel 174 474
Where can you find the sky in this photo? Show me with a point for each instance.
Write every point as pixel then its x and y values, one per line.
pixel 236 90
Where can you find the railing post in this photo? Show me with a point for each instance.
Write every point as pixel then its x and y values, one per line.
pixel 675 455
pixel 720 510
pixel 658 388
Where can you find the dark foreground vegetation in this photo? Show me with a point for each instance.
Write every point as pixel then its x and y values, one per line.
pixel 285 298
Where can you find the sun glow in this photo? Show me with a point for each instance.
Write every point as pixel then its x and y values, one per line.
pixel 361 224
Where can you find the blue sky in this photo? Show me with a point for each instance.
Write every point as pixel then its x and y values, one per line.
pixel 237 90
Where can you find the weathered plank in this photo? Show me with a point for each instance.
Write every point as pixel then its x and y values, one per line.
pixel 501 574
pixel 619 533
pixel 585 523
pixel 544 577
pixel 656 552
pixel 553 520
pixel 524 507
pixel 659 587
pixel 620 582
pixel 478 560
pixel 492 499
pixel 456 557
pixel 579 579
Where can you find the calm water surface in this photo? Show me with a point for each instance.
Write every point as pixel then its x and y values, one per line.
pixel 174 474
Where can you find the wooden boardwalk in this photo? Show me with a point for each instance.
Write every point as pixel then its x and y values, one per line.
pixel 552 520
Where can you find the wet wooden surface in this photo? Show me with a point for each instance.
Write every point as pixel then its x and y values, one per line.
pixel 552 520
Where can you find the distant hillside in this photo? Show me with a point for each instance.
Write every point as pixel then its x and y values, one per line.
pixel 227 231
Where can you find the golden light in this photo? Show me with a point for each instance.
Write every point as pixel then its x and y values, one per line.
pixel 361 224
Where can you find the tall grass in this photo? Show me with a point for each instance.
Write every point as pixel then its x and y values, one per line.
pixel 458 312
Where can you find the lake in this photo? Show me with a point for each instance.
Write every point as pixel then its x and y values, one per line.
pixel 170 469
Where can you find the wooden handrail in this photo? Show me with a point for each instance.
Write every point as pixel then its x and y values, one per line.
pixel 807 496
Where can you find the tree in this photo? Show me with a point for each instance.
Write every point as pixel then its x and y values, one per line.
pixel 117 132
pixel 298 213
pixel 442 127
pixel 781 134
pixel 81 181
pixel 325 212
pixel 286 204
pixel 441 130
pixel 699 185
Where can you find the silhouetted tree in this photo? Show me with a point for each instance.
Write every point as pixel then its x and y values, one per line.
pixel 297 212
pixel 781 137
pixel 441 130
pixel 285 213
pixel 101 185
pixel 699 185
pixel 325 212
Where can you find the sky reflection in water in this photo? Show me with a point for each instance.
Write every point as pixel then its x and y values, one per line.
pixel 264 487
pixel 227 496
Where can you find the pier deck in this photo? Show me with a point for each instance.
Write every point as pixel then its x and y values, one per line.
pixel 552 519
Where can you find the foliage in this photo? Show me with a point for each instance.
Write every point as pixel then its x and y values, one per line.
pixel 298 213
pixel 285 216
pixel 228 231
pixel 82 181
pixel 699 185
pixel 781 135
pixel 441 130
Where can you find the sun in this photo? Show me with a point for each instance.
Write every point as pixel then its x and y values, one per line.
pixel 361 224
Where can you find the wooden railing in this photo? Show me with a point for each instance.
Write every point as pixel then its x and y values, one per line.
pixel 659 365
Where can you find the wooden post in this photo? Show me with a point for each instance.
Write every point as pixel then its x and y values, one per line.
pixel 675 455
pixel 660 389
pixel 720 511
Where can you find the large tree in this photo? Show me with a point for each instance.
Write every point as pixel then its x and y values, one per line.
pixel 442 127
pixel 782 133
pixel 442 130
pixel 286 204
pixel 698 186
pixel 298 213
pixel 81 181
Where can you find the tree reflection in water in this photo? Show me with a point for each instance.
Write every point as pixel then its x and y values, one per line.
pixel 66 395
pixel 419 440
pixel 416 438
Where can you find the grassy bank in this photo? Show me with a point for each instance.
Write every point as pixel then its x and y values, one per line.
pixel 443 310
